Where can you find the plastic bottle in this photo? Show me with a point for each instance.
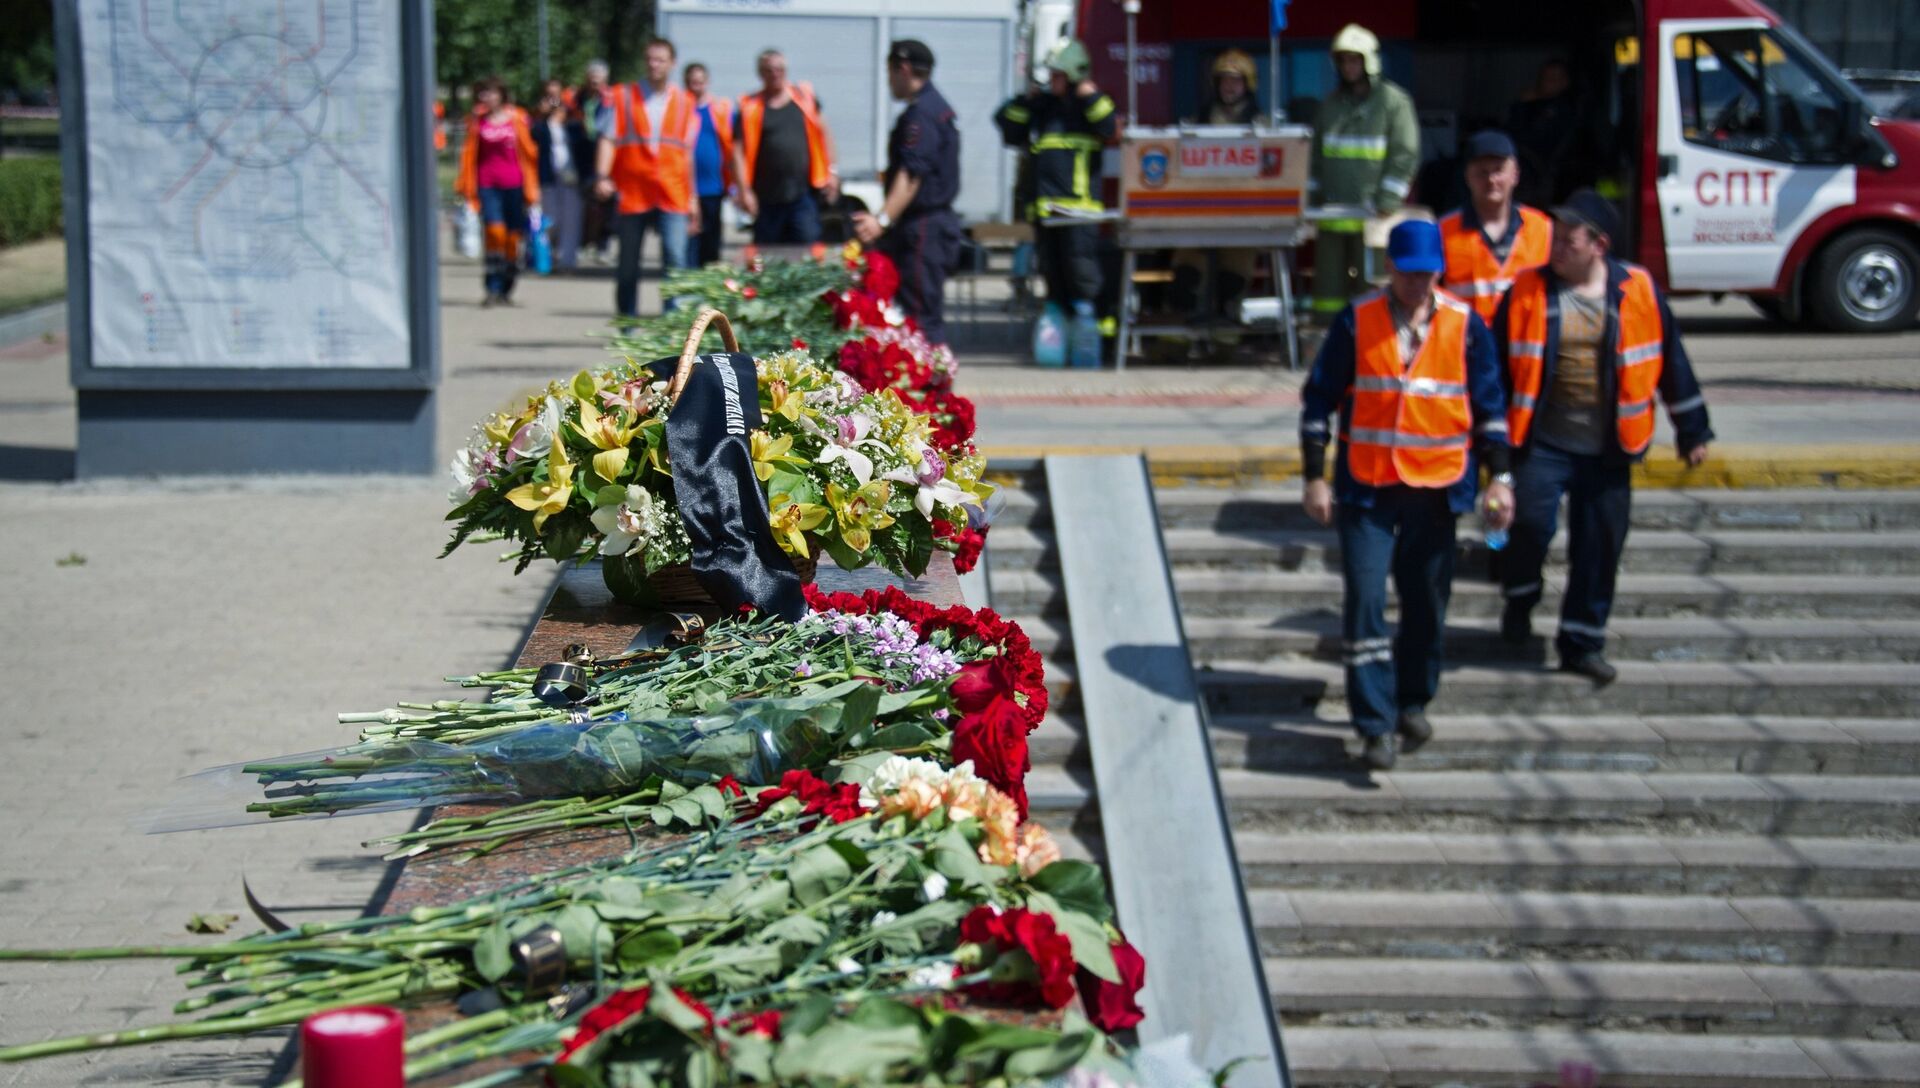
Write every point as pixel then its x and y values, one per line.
pixel 1083 341
pixel 537 237
pixel 1050 337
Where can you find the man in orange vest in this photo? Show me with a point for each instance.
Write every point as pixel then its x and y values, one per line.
pixel 1492 238
pixel 647 133
pixel 1587 341
pixel 786 156
pixel 1413 375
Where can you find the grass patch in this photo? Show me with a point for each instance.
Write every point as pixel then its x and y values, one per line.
pixel 29 199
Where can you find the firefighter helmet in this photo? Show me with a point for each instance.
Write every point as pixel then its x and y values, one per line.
pixel 1354 38
pixel 1070 57
pixel 1235 62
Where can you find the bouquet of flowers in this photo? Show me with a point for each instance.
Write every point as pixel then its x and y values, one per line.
pixel 756 698
pixel 814 931
pixel 583 469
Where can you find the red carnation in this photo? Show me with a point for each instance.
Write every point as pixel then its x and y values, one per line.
pixel 615 1012
pixel 818 797
pixel 1046 976
pixel 799 343
pixel 1115 1006
pixel 749 291
pixel 883 278
pixel 730 786
pixel 765 1024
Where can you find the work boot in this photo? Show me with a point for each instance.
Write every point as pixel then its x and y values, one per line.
pixel 1516 623
pixel 1590 665
pixel 1381 752
pixel 1415 727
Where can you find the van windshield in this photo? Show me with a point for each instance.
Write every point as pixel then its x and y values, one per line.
pixel 1761 92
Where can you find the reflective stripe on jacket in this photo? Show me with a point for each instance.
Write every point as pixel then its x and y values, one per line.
pixel 1637 354
pixel 1472 271
pixel 1410 424
pixel 653 170
pixel 1365 149
pixel 753 114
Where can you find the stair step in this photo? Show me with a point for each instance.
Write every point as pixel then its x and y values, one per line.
pixel 1522 860
pixel 1286 594
pixel 1521 742
pixel 1482 801
pixel 1477 638
pixel 1757 1000
pixel 1583 926
pixel 1349 1057
pixel 1278 507
pixel 1880 690
pixel 1714 743
pixel 1653 552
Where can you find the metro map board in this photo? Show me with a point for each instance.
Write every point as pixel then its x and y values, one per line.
pixel 245 184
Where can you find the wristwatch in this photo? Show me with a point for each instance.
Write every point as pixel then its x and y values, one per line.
pixel 1505 479
pixel 881 217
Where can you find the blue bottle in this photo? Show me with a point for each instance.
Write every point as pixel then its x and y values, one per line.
pixel 1050 337
pixel 542 255
pixel 1083 341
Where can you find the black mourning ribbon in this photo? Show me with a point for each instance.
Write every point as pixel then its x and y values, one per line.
pixel 735 555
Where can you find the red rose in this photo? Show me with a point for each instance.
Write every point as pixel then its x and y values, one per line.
pixel 765 1024
pixel 749 291
pixel 979 683
pixel 1115 1006
pixel 799 343
pixel 1018 933
pixel 730 786
pixel 618 1010
pixel 995 739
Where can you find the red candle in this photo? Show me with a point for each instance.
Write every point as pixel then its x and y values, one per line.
pixel 356 1047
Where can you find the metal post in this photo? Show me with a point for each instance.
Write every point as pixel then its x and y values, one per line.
pixel 542 20
pixel 1273 78
pixel 1133 16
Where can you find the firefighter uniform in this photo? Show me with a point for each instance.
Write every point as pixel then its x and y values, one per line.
pixel 1064 137
pixel 925 241
pixel 1405 471
pixel 1478 269
pixel 1366 148
pixel 1638 353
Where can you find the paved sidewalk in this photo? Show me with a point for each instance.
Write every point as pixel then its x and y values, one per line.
pixel 156 628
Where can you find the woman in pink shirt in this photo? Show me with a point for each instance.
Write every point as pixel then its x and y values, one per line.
pixel 500 178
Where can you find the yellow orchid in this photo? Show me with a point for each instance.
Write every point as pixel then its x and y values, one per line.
pixel 769 452
pixel 500 426
pixel 551 497
pixel 606 433
pixel 860 511
pixel 793 519
pixel 785 401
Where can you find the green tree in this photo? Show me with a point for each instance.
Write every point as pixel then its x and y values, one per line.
pixel 477 38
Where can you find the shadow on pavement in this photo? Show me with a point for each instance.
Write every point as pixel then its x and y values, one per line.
pixel 40 464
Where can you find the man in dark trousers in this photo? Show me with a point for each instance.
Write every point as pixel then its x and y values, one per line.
pixel 1587 340
pixel 916 225
pixel 1413 375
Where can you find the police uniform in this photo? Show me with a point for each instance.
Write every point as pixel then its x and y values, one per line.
pixel 925 240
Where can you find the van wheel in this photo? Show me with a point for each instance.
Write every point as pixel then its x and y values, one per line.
pixel 1866 281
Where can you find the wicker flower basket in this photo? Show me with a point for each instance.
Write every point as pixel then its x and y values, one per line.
pixel 675 584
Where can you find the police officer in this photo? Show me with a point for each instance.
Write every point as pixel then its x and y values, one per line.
pixel 1414 376
pixel 916 225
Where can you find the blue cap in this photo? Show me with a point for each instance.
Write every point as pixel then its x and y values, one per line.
pixel 1414 246
pixel 1489 144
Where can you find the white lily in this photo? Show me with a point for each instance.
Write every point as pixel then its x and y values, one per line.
pixel 845 446
pixel 929 476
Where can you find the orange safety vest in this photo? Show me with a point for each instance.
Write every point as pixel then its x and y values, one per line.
pixel 753 111
pixel 1637 358
pixel 1409 424
pixel 1473 274
pixel 721 110
pixel 653 170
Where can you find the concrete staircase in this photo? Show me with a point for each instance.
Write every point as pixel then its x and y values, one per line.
pixel 1705 874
